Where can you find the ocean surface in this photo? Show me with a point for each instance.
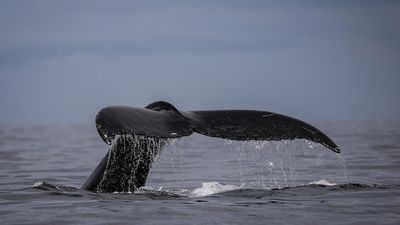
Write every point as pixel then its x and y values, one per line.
pixel 202 180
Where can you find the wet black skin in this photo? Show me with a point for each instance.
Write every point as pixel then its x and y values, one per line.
pixel 125 167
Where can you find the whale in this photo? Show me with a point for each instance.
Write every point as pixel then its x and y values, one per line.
pixel 137 136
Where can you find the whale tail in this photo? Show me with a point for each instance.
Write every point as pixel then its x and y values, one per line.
pixel 161 120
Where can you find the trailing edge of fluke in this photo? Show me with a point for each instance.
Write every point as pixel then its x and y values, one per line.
pixel 162 120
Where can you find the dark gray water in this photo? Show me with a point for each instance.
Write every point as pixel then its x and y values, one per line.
pixel 201 180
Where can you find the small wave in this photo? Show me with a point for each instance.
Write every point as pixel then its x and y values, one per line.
pixel 315 188
pixel 43 185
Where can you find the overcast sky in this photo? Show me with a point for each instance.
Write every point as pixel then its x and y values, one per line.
pixel 61 61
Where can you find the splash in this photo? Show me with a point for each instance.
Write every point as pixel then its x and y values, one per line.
pixel 323 182
pixel 210 188
pixel 37 184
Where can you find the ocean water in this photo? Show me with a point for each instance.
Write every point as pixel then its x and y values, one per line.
pixel 202 180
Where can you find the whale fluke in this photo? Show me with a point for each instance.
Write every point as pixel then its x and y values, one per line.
pixel 162 120
pixel 138 134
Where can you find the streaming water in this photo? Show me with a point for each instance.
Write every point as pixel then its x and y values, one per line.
pixel 128 163
pixel 201 180
pixel 250 164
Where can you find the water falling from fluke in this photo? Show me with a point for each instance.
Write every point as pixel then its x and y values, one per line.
pixel 127 164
